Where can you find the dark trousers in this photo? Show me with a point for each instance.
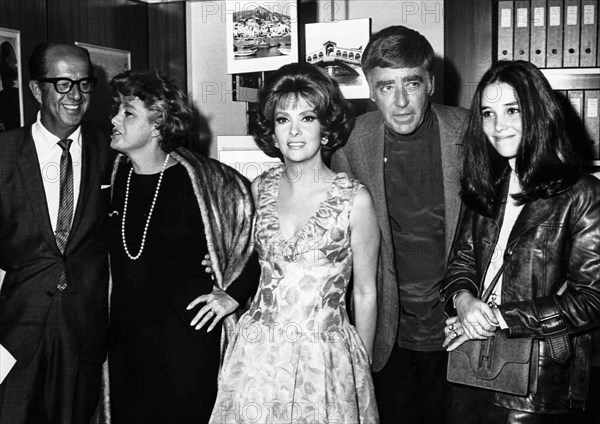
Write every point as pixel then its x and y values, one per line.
pixel 412 387
pixel 59 386
pixel 469 405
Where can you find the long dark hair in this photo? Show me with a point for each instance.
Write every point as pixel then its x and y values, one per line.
pixel 546 162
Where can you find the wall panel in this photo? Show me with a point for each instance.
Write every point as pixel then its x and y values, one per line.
pixel 118 24
pixel 166 40
pixel 468 48
pixel 29 17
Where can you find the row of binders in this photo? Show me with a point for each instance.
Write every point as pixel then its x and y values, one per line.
pixel 586 104
pixel 549 33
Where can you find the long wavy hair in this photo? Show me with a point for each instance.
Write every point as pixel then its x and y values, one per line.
pixel 311 83
pixel 546 161
pixel 167 103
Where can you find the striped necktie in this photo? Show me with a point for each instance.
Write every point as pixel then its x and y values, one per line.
pixel 65 207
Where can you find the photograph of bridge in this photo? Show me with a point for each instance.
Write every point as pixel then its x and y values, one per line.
pixel 337 47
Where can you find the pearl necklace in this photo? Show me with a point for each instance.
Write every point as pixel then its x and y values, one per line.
pixel 129 255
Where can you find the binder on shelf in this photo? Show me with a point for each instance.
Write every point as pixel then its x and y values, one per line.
pixel 576 100
pixel 572 28
pixel 521 30
pixel 588 54
pixel 561 93
pixel 505 30
pixel 591 119
pixel 537 51
pixel 554 28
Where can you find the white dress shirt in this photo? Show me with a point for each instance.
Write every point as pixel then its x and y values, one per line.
pixel 49 152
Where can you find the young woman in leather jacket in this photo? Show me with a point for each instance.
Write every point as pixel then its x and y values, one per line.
pixel 529 206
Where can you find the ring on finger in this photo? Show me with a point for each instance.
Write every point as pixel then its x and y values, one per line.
pixel 451 327
pixel 454 334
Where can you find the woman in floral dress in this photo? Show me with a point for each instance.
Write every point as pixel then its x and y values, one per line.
pixel 296 357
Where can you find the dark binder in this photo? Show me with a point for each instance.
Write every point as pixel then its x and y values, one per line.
pixel 505 30
pixel 572 28
pixel 554 28
pixel 537 51
pixel 521 27
pixel 588 55
pixel 591 119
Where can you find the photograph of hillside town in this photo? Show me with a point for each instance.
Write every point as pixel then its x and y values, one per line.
pixel 260 32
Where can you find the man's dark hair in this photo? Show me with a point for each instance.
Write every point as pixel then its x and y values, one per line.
pixel 398 47
pixel 38 62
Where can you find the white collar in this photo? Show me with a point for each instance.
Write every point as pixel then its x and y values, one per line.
pixel 50 139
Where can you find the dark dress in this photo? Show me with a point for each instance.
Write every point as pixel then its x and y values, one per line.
pixel 161 369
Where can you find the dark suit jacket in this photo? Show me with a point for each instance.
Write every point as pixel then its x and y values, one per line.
pixel 362 157
pixel 30 256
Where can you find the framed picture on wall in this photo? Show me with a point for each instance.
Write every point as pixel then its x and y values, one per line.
pixel 261 35
pixel 338 47
pixel 107 63
pixel 242 154
pixel 11 80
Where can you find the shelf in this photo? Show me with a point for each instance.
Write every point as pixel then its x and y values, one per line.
pixel 573 78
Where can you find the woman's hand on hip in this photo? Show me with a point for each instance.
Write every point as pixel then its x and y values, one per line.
pixel 218 305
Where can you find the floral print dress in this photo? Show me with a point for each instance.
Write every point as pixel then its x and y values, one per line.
pixel 295 357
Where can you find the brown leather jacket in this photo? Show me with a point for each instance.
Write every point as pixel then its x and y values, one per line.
pixel 553 241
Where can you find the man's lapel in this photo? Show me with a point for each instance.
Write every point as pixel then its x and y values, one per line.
pixel 450 144
pixel 29 168
pixel 89 164
pixel 373 152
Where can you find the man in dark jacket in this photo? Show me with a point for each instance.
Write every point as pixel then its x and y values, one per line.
pixel 53 301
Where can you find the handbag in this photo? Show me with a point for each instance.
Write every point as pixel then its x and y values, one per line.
pixel 498 363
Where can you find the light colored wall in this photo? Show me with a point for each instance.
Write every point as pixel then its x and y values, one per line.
pixel 425 16
pixel 210 86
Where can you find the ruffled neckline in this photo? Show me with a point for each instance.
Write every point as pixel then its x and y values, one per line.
pixel 318 221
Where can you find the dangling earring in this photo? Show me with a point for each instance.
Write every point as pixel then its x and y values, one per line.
pixel 324 140
pixel 275 142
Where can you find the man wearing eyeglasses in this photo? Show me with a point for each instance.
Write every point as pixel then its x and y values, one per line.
pixel 53 301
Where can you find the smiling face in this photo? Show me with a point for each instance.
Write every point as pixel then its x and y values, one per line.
pixel 401 95
pixel 61 114
pixel 297 130
pixel 501 115
pixel 133 127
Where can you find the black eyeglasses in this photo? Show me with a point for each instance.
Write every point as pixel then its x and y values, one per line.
pixel 64 85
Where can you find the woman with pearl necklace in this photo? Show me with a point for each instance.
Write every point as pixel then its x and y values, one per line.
pixel 170 208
